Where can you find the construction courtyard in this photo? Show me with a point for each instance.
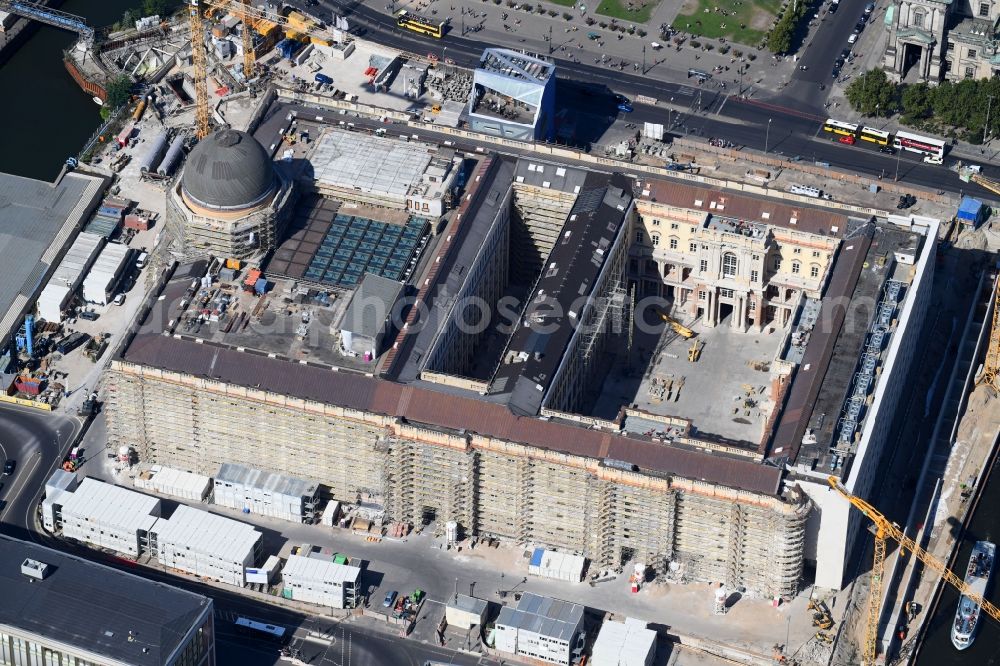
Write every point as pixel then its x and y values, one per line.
pixel 725 393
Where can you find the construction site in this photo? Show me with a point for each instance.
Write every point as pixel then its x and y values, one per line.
pixel 529 350
pixel 637 373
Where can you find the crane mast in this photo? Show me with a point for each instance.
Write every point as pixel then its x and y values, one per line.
pixel 198 58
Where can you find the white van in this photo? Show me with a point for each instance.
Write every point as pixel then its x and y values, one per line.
pixel 141 261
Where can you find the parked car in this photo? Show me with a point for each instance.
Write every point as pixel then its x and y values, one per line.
pixel 869 8
pixel 625 107
pixel 8 467
pixel 89 315
pixel 853 38
pixel 119 299
pixel 848 139
pixel 390 597
pixel 888 150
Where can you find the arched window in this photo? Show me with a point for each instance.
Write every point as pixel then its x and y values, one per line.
pixel 728 265
pixel 918 18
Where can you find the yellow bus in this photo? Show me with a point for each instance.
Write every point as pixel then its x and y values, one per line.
pixel 840 127
pixel 875 136
pixel 421 24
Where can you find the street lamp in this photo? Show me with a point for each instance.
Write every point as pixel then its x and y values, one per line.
pixel 644 67
pixel 669 112
pixel 899 153
pixel 767 135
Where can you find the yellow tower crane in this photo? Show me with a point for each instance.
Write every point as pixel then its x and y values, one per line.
pixel 246 12
pixel 991 364
pixel 886 529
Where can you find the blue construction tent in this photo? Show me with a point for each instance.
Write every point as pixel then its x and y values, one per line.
pixel 971 211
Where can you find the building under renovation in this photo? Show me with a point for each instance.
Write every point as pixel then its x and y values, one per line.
pixel 513 96
pixel 230 201
pixel 604 365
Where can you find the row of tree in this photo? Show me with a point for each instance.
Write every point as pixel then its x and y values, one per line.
pixel 959 110
pixel 780 39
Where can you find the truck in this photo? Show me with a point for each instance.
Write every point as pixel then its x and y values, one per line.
pixel 71 342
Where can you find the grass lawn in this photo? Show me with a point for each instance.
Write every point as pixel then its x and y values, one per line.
pixel 564 3
pixel 636 11
pixel 756 15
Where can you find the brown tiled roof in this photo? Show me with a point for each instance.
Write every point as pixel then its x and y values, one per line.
pixel 729 204
pixel 422 405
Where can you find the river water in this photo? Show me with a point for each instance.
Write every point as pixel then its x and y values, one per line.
pixel 938 650
pixel 47 117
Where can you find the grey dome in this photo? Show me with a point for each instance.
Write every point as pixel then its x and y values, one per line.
pixel 228 170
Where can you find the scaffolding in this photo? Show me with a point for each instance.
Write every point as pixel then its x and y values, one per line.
pixel 431 476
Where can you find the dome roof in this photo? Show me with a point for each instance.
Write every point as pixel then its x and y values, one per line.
pixel 228 170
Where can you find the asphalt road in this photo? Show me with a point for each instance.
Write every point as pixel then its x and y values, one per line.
pixel 37 442
pixel 794 116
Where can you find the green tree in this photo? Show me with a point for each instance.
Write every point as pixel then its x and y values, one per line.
pixel 119 91
pixel 917 102
pixel 873 94
pixel 128 20
pixel 780 39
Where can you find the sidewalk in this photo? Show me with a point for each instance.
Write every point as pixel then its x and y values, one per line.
pixel 527 29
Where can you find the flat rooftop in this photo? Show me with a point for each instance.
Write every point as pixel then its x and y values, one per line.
pixel 37 222
pixel 332 245
pixel 383 165
pixel 264 480
pixel 93 607
pixel 298 324
pixel 554 618
pixel 517 66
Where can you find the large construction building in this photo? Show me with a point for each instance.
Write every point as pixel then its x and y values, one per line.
pixel 537 380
